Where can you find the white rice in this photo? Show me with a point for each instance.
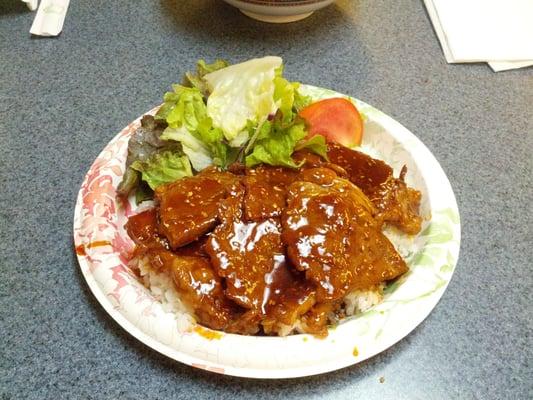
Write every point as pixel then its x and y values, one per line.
pixel 162 288
pixel 360 301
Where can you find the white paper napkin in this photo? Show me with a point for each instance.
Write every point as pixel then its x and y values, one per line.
pixel 505 65
pixel 497 31
pixel 50 17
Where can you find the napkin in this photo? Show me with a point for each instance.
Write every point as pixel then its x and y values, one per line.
pixel 497 31
pixel 50 17
pixel 505 65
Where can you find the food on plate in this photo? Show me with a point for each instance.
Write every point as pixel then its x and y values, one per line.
pixel 261 218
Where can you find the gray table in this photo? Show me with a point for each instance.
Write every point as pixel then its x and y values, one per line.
pixel 63 99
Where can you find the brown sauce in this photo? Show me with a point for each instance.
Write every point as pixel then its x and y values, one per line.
pixel 268 250
pixel 81 248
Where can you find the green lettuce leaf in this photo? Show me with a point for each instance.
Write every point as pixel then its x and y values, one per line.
pixel 196 79
pixel 275 143
pixel 197 151
pixel 300 101
pixel 188 123
pixel 183 106
pixel 163 167
pixel 316 144
pixel 203 69
pixel 284 95
pixel 287 96
pixel 214 140
pixel 241 93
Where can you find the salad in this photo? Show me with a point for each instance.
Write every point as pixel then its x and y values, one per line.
pixel 223 114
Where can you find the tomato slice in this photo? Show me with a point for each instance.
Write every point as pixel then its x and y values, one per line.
pixel 336 119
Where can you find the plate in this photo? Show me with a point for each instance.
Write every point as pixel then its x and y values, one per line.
pixel 103 248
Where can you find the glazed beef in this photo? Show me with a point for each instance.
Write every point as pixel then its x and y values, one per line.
pixel 272 250
pixel 396 203
pixel 331 234
pixel 265 191
pixel 188 208
pixel 244 252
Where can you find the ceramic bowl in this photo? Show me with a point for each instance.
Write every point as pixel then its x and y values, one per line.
pixel 278 11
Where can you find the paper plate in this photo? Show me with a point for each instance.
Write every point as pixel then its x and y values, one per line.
pixel 103 249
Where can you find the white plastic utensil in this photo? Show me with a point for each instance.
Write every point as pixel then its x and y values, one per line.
pixel 32 4
pixel 50 17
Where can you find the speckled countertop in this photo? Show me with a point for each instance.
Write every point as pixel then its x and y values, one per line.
pixel 63 99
